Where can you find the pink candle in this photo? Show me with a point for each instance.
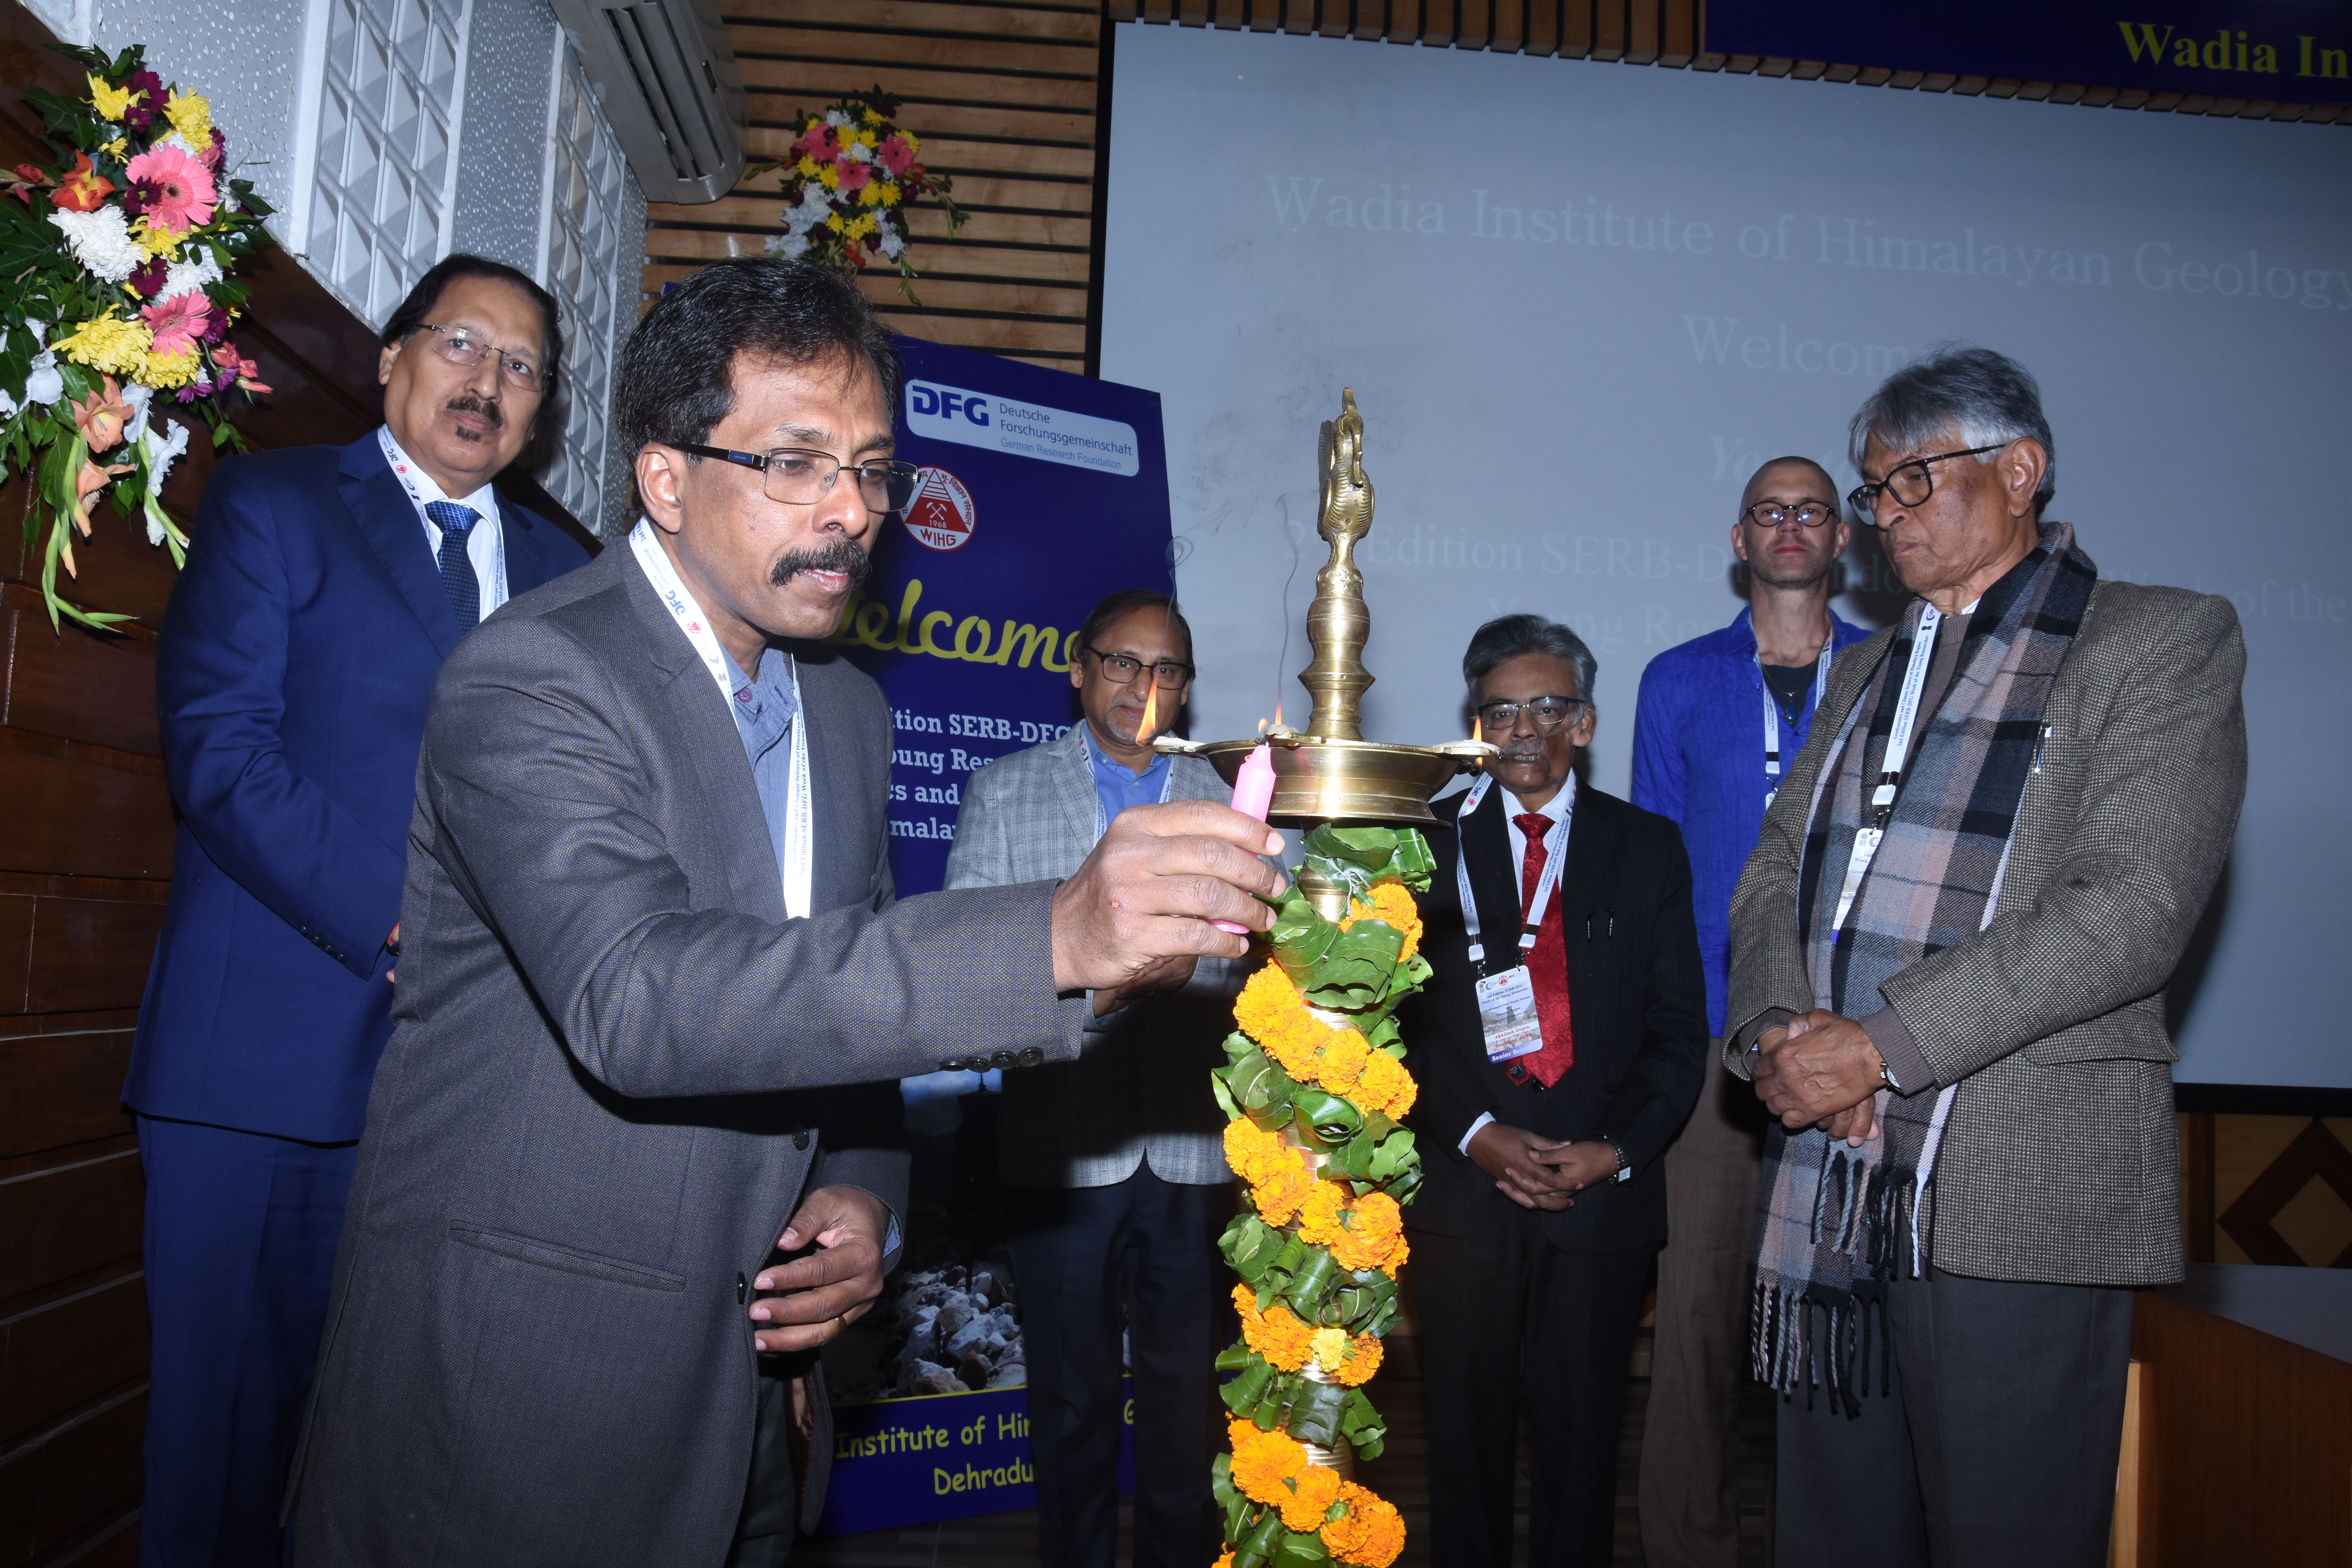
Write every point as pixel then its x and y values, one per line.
pixel 1253 795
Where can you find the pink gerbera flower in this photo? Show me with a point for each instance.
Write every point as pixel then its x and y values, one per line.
pixel 178 323
pixel 895 153
pixel 173 191
pixel 854 175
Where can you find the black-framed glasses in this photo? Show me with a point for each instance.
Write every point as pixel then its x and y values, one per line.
pixel 1122 667
pixel 801 477
pixel 1805 514
pixel 1548 712
pixel 461 346
pixel 1911 483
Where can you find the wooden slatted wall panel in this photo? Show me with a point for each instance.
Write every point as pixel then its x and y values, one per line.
pixel 1642 32
pixel 1004 97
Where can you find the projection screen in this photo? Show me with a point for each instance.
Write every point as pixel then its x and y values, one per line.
pixel 1579 302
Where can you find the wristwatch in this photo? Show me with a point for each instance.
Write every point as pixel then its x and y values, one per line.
pixel 1624 1166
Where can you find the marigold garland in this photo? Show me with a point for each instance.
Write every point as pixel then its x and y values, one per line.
pixel 1370 1534
pixel 1318 1142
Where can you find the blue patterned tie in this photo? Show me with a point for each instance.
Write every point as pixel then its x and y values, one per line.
pixel 456 569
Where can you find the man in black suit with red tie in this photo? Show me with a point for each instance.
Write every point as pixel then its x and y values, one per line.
pixel 1545 1196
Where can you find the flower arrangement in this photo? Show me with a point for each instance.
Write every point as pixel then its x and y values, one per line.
pixel 849 176
pixel 1314 1085
pixel 119 303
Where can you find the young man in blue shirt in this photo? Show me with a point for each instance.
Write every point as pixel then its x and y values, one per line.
pixel 1721 719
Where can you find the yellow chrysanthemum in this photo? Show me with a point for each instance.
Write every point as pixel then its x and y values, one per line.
pixel 834 222
pixel 890 189
pixel 860 227
pixel 1313 1491
pixel 108 344
pixel 867 138
pixel 118 149
pixel 914 142
pixel 807 168
pixel 1370 1534
pixel 829 177
pixel 154 242
pixel 191 117
pixel 176 369
pixel 111 102
pixel 872 116
pixel 1331 1347
pixel 871 195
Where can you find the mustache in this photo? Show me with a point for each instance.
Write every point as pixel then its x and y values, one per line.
pixel 488 408
pixel 843 555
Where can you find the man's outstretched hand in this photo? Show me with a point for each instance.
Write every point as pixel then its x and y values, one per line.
pixel 1150 890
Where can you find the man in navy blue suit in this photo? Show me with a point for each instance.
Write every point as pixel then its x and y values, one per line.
pixel 323 590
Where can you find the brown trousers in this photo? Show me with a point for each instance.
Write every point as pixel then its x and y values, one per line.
pixel 1690 1513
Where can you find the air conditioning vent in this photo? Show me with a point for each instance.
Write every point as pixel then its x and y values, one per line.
pixel 669 88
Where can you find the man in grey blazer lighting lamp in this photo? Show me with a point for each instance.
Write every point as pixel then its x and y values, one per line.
pixel 1113 1165
pixel 648 933
pixel 1949 952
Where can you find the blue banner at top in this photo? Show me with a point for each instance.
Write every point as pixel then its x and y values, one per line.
pixel 1041 491
pixel 2260 50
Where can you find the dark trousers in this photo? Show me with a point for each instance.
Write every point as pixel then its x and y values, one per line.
pixel 1996 1448
pixel 1507 1311
pixel 1076 1251
pixel 1690 1509
pixel 240 1256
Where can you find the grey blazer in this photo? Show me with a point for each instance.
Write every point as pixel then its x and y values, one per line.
pixel 1141 1092
pixel 2060 1163
pixel 612 1077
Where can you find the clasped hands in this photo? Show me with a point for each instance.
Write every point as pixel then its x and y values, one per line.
pixel 1539 1172
pixel 1819 1070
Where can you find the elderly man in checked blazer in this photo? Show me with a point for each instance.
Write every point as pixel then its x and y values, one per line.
pixel 1115 1162
pixel 1948 957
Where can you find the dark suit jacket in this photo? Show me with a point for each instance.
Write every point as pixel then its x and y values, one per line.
pixel 297 659
pixel 605 1092
pixel 1637 999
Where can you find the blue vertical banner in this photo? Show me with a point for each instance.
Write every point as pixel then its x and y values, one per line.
pixel 1041 491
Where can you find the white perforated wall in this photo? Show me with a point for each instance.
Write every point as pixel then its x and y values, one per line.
pixel 582 228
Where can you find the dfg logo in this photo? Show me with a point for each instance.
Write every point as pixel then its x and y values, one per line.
pixel 947 403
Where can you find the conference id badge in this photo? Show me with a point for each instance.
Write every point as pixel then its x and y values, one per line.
pixel 1507 1012
pixel 1857 866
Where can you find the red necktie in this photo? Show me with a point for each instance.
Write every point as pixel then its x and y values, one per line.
pixel 1546 966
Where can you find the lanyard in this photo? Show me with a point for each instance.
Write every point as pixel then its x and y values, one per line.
pixel 1772 713
pixel 800 828
pixel 1102 818
pixel 1890 778
pixel 1555 844
pixel 404 469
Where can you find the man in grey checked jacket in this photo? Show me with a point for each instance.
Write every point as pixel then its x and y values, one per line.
pixel 649 936
pixel 1965 1407
pixel 1115 1162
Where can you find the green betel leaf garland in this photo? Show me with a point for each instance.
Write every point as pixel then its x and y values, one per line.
pixel 1315 1086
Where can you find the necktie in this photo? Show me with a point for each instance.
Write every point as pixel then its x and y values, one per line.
pixel 456 569
pixel 1546 966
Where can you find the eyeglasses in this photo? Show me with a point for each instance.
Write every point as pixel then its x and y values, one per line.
pixel 1773 514
pixel 1121 668
pixel 799 477
pixel 459 346
pixel 1548 712
pixel 1904 480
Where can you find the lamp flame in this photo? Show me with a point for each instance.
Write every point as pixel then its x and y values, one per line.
pixel 1150 711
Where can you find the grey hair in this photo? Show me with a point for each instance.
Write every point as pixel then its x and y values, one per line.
pixel 1508 636
pixel 1987 399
